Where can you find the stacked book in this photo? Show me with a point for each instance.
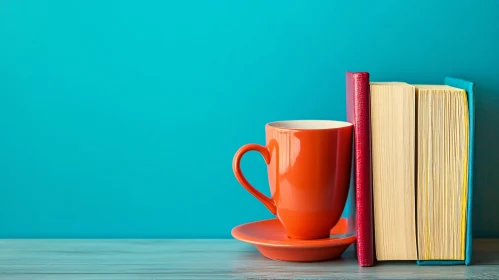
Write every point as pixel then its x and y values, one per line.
pixel 413 170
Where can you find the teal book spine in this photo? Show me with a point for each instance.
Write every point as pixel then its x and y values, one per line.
pixel 469 87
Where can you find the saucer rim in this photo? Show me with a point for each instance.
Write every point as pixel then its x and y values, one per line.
pixel 314 243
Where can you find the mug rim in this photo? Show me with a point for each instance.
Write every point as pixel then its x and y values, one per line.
pixel 308 124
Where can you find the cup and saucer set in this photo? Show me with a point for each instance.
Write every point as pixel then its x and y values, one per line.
pixel 308 166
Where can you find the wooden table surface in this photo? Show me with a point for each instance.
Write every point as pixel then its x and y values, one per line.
pixel 207 259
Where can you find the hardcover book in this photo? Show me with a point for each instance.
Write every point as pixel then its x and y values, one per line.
pixel 358 113
pixel 393 123
pixel 463 202
pixel 422 171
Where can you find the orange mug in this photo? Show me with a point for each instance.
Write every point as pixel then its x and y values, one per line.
pixel 308 166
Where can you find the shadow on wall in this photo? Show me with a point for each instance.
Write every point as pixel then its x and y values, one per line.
pixel 486 181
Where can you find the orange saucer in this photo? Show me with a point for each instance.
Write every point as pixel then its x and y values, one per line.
pixel 270 238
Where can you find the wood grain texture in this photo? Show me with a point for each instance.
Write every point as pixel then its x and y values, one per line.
pixel 207 259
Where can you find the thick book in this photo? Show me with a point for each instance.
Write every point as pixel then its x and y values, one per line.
pixel 422 149
pixel 393 149
pixel 358 113
pixel 466 216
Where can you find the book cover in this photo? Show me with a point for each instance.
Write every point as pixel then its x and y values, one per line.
pixel 358 113
pixel 469 87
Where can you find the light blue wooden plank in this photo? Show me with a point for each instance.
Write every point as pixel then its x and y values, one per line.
pixel 204 259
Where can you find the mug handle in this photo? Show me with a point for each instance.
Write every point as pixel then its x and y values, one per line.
pixel 236 166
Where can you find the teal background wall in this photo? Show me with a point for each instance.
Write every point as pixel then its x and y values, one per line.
pixel 121 118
